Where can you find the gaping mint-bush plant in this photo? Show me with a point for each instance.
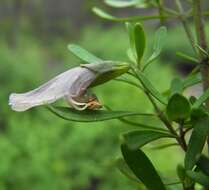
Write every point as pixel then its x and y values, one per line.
pixel 179 113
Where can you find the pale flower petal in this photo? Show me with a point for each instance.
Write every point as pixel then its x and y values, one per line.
pixel 72 83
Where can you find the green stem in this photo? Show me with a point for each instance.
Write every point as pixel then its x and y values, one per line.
pixel 170 11
pixel 182 134
pixel 161 115
pixel 201 36
pixel 161 11
pixel 199 24
pixel 185 24
pixel 163 118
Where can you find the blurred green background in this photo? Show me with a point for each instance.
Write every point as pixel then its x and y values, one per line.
pixel 39 151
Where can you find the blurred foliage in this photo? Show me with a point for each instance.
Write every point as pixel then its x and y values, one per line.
pixel 40 151
pixel 174 44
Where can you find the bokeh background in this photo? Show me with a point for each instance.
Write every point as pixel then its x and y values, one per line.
pixel 39 151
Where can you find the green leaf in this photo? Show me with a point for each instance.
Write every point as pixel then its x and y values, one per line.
pixel 204 97
pixel 159 41
pixel 101 13
pixel 128 81
pixel 83 54
pixel 163 146
pixel 71 114
pixel 203 164
pixel 192 99
pixel 138 138
pixel 181 172
pixel 187 57
pixel 131 52
pixel 137 41
pixel 131 55
pixel 186 181
pixel 199 177
pixel 151 89
pixel 140 125
pixel 178 108
pixel 140 41
pixel 107 70
pixel 129 3
pixel 142 168
pixel 176 86
pixel 196 142
pixel 120 3
pixel 143 126
pixel 204 52
pixel 108 16
pixel 192 80
pixel 198 113
pixel 124 169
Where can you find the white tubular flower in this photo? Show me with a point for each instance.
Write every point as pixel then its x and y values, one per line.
pixel 72 84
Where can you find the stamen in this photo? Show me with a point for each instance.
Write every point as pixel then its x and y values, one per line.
pixel 94 104
pixel 80 108
pixel 77 103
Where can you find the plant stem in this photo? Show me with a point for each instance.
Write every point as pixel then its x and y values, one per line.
pixel 201 36
pixel 161 115
pixel 170 11
pixel 161 11
pixel 182 134
pixel 166 122
pixel 199 24
pixel 185 25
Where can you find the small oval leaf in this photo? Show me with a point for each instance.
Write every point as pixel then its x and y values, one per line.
pixel 83 54
pixel 142 168
pixel 71 114
pixel 101 13
pixel 131 52
pixel 140 41
pixel 178 108
pixel 138 138
pixel 159 41
pixel 196 142
pixel 120 3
